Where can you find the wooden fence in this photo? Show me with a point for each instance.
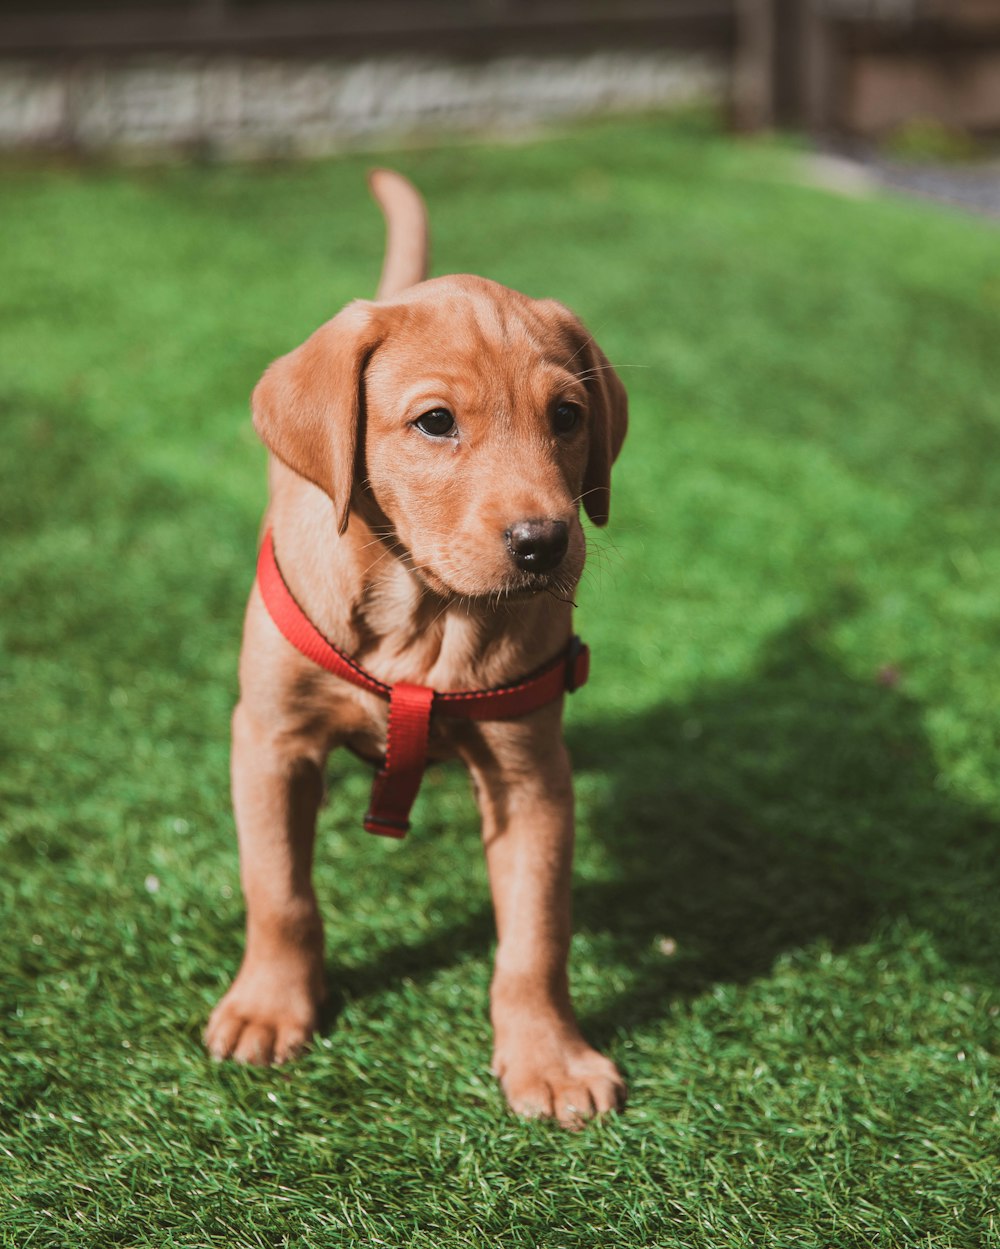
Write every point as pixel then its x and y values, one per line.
pixel 354 28
pixel 867 66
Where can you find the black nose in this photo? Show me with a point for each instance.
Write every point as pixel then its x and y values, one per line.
pixel 537 545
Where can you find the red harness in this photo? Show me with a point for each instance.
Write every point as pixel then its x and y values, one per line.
pixel 398 778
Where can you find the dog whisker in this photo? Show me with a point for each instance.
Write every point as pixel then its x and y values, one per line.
pixel 594 369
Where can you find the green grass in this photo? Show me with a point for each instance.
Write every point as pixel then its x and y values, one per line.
pixel 788 871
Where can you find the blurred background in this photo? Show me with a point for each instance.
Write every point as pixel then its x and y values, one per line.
pixel 238 78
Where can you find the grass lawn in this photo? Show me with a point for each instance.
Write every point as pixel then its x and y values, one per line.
pixel 789 800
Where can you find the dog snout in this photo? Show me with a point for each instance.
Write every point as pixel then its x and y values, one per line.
pixel 537 545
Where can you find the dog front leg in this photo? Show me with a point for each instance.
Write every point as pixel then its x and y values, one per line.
pixel 545 1066
pixel 270 1012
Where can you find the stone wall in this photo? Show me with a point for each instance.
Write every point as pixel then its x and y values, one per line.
pixel 248 107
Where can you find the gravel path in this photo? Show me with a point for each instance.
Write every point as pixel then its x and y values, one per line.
pixel 975 187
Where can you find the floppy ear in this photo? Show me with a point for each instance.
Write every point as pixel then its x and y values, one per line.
pixel 307 406
pixel 608 412
pixel 608 423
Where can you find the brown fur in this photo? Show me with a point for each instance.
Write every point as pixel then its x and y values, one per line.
pixel 408 571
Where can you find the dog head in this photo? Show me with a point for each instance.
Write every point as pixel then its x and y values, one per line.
pixel 469 418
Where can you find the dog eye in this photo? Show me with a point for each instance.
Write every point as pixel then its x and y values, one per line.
pixel 439 423
pixel 565 418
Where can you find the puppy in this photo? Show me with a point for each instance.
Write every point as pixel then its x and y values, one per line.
pixel 430 452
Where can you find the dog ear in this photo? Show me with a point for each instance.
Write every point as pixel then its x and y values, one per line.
pixel 609 422
pixel 307 406
pixel 608 413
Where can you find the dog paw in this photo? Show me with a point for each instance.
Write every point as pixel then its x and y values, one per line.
pixel 260 1023
pixel 569 1083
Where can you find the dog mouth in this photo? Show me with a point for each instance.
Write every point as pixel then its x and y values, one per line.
pixel 517 587
pixel 447 577
pixel 558 583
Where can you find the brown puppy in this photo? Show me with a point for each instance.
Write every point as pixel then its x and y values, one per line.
pixel 430 451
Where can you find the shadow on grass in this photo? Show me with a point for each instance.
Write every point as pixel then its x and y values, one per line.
pixel 796 805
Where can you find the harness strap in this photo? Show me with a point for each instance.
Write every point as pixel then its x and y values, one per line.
pixel 397 782
pixel 300 630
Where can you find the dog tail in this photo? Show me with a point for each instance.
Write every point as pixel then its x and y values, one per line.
pixel 407 240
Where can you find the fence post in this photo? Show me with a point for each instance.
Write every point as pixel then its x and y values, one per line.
pixel 754 65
